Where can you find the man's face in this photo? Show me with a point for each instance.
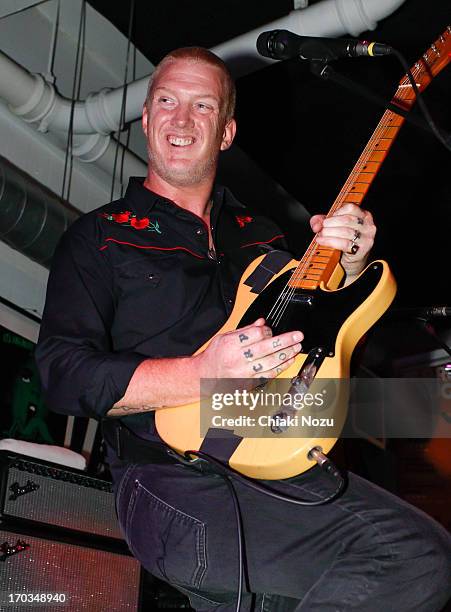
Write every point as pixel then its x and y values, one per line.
pixel 183 122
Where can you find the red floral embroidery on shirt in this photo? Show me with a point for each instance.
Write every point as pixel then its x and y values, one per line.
pixel 121 217
pixel 131 220
pixel 140 223
pixel 242 220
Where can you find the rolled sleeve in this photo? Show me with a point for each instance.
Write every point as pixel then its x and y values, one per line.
pixel 80 372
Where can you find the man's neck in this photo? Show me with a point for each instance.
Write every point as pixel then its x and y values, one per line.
pixel 195 198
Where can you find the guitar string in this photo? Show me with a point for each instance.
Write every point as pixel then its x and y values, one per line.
pixel 288 291
pixel 285 296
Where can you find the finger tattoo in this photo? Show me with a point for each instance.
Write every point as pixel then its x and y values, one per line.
pixel 276 343
pixel 257 367
pixel 243 337
pixel 248 354
pixel 282 356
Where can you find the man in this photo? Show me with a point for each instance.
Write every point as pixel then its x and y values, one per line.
pixel 136 288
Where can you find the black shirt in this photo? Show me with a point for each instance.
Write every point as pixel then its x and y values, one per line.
pixel 133 280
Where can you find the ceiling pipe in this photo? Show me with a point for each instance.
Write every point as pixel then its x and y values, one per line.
pixel 32 217
pixel 35 100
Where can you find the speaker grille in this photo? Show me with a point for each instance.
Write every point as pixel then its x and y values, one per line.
pixel 61 498
pixel 92 580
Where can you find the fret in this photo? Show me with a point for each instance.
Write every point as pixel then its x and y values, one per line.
pixel 371 166
pixel 382 143
pixel 394 121
pixel 364 177
pixel 359 188
pixel 354 198
pixel 314 266
pixel 391 132
pixel 377 156
pixel 304 284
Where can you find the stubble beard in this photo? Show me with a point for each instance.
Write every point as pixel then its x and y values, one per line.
pixel 183 177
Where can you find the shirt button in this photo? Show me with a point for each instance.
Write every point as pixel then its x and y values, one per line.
pixel 200 231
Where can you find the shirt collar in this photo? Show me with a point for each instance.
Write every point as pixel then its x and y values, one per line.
pixel 138 197
pixel 143 200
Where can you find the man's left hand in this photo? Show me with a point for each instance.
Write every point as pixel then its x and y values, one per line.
pixel 351 230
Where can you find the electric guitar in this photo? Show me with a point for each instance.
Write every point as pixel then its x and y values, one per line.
pixel 305 295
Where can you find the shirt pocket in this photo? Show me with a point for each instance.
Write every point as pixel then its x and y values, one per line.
pixel 141 273
pixel 149 294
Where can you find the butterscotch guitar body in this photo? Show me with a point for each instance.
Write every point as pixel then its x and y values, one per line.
pixel 333 320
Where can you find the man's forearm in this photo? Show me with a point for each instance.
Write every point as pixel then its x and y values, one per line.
pixel 158 383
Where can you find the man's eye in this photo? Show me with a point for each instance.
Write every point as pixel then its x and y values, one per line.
pixel 203 107
pixel 165 100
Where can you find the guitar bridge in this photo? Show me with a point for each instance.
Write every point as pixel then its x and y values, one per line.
pixel 299 386
pixel 305 376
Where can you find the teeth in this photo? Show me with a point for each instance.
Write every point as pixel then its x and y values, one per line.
pixel 180 142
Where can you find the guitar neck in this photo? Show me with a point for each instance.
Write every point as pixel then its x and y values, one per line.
pixel 319 263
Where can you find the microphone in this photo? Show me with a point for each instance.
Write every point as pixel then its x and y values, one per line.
pixel 425 312
pixel 282 45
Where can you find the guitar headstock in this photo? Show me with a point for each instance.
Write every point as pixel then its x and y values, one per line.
pixel 432 61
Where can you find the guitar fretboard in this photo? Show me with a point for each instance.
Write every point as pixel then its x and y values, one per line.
pixel 319 263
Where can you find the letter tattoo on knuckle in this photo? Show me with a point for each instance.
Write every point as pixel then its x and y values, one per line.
pixel 243 337
pixel 282 356
pixel 276 343
pixel 257 367
pixel 248 354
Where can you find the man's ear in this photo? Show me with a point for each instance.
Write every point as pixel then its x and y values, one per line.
pixel 228 135
pixel 144 119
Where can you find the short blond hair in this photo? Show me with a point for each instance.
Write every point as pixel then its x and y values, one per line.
pixel 199 54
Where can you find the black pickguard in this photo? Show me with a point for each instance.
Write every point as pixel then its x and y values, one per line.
pixel 318 314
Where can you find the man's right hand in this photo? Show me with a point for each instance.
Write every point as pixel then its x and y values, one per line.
pixel 249 352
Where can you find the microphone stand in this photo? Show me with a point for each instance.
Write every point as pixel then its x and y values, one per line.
pixel 428 328
pixel 327 73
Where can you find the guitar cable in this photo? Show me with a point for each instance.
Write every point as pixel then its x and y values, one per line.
pixel 228 474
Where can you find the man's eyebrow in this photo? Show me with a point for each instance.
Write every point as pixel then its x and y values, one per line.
pixel 201 95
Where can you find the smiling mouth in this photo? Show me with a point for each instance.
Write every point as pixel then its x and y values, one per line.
pixel 178 141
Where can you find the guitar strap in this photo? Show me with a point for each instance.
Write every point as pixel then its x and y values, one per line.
pixel 222 443
pixel 272 264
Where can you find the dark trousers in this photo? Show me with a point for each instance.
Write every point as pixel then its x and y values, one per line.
pixel 367 551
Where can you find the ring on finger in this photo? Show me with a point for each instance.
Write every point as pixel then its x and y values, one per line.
pixel 353 247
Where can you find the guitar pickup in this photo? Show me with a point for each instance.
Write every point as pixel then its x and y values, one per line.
pixel 303 299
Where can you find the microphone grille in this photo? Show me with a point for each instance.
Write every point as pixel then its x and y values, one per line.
pixel 262 43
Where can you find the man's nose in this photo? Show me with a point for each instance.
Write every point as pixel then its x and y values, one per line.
pixel 182 116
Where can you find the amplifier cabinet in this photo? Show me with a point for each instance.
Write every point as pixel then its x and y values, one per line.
pixel 56 496
pixel 48 575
